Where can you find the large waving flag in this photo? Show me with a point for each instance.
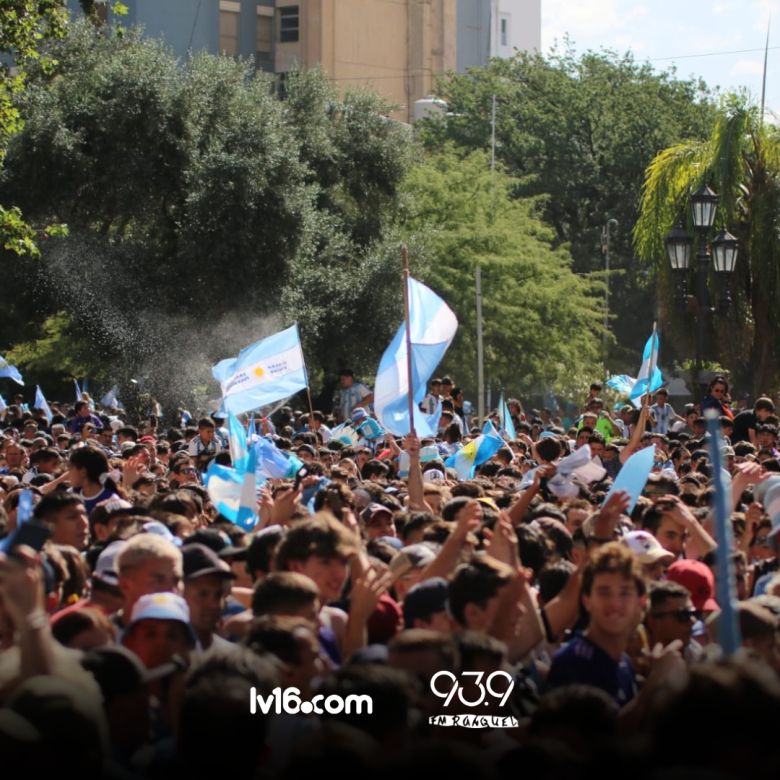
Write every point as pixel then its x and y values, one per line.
pixel 622 383
pixel 263 372
pixel 476 452
pixel 432 327
pixel 273 463
pixel 649 378
pixel 42 403
pixel 507 426
pixel 234 492
pixel 12 372
pixel 237 440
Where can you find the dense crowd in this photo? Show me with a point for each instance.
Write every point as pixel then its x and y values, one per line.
pixel 148 634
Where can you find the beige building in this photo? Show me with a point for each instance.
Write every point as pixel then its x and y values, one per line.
pixel 395 47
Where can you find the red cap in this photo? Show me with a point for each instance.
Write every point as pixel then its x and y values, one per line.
pixel 147 438
pixel 698 579
pixel 385 621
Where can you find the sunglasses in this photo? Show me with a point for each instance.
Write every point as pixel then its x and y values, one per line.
pixel 680 615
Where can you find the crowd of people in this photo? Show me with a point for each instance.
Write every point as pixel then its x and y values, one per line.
pixel 139 628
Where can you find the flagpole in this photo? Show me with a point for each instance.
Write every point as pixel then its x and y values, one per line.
pixel 308 389
pixel 652 366
pixel 410 388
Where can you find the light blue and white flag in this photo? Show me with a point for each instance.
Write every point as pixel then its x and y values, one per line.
pixel 234 492
pixel 346 434
pixel 432 327
pixel 369 429
pixel 427 454
pixel 110 400
pixel 649 378
pixel 632 478
pixel 77 389
pixel 237 440
pixel 273 463
pixel 3 405
pixel 12 372
pixel 507 426
pixel 41 403
pixel 729 637
pixel 476 452
pixel 263 372
pixel 622 383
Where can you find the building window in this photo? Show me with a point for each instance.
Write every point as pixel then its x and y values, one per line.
pixel 505 31
pixel 289 24
pixel 229 14
pixel 264 36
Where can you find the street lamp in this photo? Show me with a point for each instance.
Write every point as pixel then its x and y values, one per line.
pixel 723 251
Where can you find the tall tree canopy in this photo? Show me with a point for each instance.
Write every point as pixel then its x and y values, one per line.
pixel 542 321
pixel 201 207
pixel 25 27
pixel 741 162
pixel 582 131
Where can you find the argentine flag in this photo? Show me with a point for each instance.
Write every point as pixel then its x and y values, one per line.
pixel 432 327
pixel 262 373
pixel 77 389
pixel 273 463
pixel 622 383
pixel 476 452
pixel 649 378
pixel 41 403
pixel 3 406
pixel 237 440
pixel 234 492
pixel 12 372
pixel 507 426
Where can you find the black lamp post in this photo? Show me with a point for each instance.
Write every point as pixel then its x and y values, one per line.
pixel 679 243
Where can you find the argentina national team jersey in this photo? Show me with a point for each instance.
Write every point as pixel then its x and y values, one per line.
pixel 583 662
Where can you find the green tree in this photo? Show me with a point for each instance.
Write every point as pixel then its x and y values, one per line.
pixel 203 209
pixel 582 131
pixel 542 321
pixel 741 162
pixel 25 26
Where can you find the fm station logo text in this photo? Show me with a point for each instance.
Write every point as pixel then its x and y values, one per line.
pixel 482 696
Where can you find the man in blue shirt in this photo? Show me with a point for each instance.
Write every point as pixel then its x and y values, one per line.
pixel 613 593
pixel 83 416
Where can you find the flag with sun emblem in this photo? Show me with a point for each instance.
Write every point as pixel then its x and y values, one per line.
pixel 263 372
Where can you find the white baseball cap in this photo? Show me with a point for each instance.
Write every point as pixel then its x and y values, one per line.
pixel 646 547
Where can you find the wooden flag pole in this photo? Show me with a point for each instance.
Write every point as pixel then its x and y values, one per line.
pixel 410 388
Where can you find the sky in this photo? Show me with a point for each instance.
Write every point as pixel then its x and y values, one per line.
pixel 721 41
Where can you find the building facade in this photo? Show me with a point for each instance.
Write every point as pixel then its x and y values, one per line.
pixel 397 48
pixel 496 28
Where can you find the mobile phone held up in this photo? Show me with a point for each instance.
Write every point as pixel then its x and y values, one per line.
pixel 299 475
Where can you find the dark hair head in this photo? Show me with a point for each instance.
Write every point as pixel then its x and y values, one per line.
pixel 283 592
pixel 613 558
pixel 53 503
pixel 475 582
pixel 92 459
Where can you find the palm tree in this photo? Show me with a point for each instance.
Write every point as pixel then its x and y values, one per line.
pixel 741 162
